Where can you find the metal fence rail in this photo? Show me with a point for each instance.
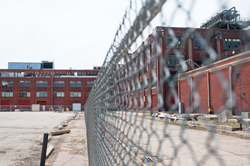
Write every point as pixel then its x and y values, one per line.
pixel 132 84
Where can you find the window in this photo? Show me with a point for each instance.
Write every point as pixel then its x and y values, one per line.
pixel 172 60
pixel 231 44
pixel 90 83
pixel 147 53
pixel 75 83
pixel 172 80
pixel 94 74
pixel 135 61
pixel 175 42
pixel 141 84
pixel 58 83
pixel 153 46
pixel 238 75
pixel 7 93
pixel 7 83
pixel 146 68
pixel 58 94
pixel 44 75
pixel 41 83
pixel 140 58
pixel 146 83
pixel 154 81
pixel 59 75
pixel 199 42
pixel 24 83
pixel 88 93
pixel 79 73
pixel 75 93
pixel 24 93
pixel 154 62
pixel 140 72
pixel 41 93
pixel 136 86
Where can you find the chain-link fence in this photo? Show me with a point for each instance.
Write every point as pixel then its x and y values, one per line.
pixel 156 87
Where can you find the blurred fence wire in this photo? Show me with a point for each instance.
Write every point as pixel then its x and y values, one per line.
pixel 160 74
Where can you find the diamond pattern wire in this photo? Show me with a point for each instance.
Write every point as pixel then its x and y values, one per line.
pixel 118 130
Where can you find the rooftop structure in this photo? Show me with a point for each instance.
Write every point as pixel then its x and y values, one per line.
pixel 31 65
pixel 226 19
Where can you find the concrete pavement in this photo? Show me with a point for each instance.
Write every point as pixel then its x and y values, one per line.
pixel 21 133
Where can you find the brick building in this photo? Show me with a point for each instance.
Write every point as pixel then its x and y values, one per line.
pixel 222 38
pixel 216 84
pixel 47 87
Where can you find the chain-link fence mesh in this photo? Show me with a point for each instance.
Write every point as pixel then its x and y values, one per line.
pixel 172 71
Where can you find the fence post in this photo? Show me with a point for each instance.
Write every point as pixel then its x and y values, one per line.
pixel 44 149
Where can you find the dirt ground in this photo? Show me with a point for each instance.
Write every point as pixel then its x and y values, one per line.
pixel 71 149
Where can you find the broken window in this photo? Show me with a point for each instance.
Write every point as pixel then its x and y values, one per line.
pixel 172 60
pixel 7 83
pixel 24 93
pixel 175 42
pixel 199 42
pixel 231 44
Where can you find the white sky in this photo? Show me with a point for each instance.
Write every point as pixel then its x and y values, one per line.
pixel 78 33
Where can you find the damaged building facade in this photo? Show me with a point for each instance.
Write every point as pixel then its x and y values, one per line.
pixel 226 38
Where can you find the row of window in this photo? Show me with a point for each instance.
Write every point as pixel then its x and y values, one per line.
pixel 172 60
pixel 43 93
pixel 45 83
pixel 178 42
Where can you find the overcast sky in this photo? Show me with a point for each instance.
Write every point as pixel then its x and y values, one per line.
pixel 78 33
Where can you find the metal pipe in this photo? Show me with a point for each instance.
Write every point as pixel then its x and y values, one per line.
pixel 44 149
pixel 208 93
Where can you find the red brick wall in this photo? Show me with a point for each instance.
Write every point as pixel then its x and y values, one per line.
pixel 66 100
pixel 200 83
pixel 220 86
pixel 218 95
pixel 241 85
pixel 184 92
